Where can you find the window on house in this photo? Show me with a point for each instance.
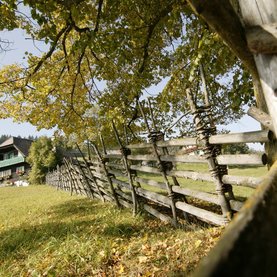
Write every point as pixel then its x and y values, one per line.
pixel 20 169
pixel 5 173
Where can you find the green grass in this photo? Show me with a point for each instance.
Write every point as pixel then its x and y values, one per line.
pixel 45 232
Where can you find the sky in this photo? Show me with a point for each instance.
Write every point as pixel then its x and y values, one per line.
pixel 21 43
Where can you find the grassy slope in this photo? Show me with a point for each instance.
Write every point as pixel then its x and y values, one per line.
pixel 49 233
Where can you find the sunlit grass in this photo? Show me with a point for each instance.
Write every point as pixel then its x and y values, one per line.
pixel 45 232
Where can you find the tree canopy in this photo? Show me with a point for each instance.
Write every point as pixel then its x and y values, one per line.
pixel 103 55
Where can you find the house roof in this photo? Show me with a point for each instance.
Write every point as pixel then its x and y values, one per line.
pixel 21 144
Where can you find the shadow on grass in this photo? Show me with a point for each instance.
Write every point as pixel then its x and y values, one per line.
pixel 75 218
pixel 76 207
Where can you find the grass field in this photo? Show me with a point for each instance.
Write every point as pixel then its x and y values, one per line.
pixel 48 233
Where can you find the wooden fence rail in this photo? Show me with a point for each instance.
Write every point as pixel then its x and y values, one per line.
pixel 156 182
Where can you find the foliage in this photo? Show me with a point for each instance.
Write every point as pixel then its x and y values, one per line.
pixel 3 138
pixel 52 234
pixel 104 54
pixel 42 157
pixel 240 148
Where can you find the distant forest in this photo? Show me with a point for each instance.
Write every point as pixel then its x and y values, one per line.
pixel 5 137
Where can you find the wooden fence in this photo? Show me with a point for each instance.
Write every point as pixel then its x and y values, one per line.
pixel 150 176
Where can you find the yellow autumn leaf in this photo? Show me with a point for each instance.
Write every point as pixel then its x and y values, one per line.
pixel 142 259
pixel 198 243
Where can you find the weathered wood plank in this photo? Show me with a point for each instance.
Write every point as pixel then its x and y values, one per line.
pixel 151 182
pixel 139 145
pixel 242 159
pixel 155 197
pixel 117 166
pixel 261 117
pixel 262 38
pixel 99 176
pixel 116 172
pixel 245 181
pixel 212 198
pixel 246 137
pixel 202 214
pixel 256 14
pixel 157 214
pixel 121 183
pixel 184 158
pixel 124 195
pixel 112 156
pixel 191 175
pixel 147 169
pixel 114 152
pixel 141 158
pixel 125 203
pixel 236 205
pixel 178 142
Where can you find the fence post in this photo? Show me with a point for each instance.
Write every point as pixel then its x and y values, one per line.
pixel 124 152
pixel 154 138
pixel 102 161
pixel 165 152
pixel 90 174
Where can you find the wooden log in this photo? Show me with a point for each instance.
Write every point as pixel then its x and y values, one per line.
pixel 112 156
pixel 262 39
pixel 242 159
pixel 117 166
pixel 127 169
pixel 157 214
pixel 184 158
pixel 139 146
pixel 121 183
pixel 202 214
pixel 212 198
pixel 261 117
pixel 124 195
pixel 236 205
pixel 114 152
pixel 191 175
pixel 147 169
pixel 116 172
pixel 258 13
pixel 246 137
pixel 125 203
pixel 105 192
pixel 245 181
pixel 151 182
pixel 100 176
pixel 178 142
pixel 106 197
pixel 141 158
pixel 155 197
